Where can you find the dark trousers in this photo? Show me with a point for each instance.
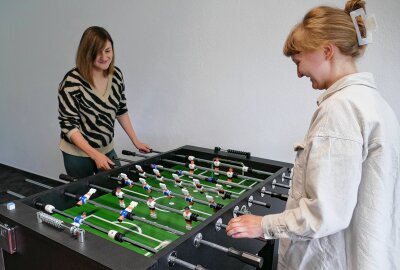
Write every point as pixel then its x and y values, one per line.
pixel 80 167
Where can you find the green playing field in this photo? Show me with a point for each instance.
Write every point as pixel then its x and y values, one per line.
pixel 147 234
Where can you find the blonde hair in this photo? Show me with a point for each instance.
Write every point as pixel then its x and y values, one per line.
pixel 92 42
pixel 323 25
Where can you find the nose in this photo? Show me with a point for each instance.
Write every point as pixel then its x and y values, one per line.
pixel 299 74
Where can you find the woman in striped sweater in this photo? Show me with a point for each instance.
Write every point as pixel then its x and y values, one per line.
pixel 91 96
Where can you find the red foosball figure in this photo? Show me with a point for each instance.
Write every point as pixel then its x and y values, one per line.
pixel 229 175
pixel 151 203
pixel 187 216
pixel 192 166
pixel 216 163
pixel 198 186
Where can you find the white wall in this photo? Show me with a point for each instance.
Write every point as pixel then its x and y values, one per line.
pixel 206 73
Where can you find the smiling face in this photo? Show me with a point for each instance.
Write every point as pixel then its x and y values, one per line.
pixel 313 65
pixel 104 57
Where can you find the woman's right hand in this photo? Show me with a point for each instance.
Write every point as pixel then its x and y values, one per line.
pixel 102 161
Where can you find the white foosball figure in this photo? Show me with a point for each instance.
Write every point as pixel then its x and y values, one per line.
pixel 220 190
pixel 178 181
pixel 151 203
pixel 142 173
pixel 79 219
pixel 159 177
pixel 124 213
pixel 166 191
pixel 198 186
pixel 145 186
pixel 120 195
pixel 188 198
pixel 84 198
pixel 123 179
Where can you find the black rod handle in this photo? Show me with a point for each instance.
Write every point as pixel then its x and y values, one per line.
pixel 246 257
pixel 66 177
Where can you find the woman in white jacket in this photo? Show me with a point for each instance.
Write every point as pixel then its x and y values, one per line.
pixel 343 211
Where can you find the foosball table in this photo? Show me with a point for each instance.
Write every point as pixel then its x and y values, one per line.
pixel 168 210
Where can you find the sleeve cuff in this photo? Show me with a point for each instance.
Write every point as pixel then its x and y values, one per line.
pixel 72 131
pixel 273 226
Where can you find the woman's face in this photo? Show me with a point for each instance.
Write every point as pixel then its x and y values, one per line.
pixel 104 57
pixel 313 65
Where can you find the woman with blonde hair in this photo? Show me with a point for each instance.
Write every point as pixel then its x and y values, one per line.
pixel 343 211
pixel 90 97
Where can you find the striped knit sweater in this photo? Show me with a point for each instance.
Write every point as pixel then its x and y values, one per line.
pixel 82 108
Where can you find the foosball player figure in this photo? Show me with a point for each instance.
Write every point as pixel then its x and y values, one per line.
pixel 142 173
pixel 120 195
pixel 145 186
pixel 222 193
pixel 213 205
pixel 188 198
pixel 165 190
pixel 79 219
pixel 159 177
pixel 189 217
pixel 198 186
pixel 229 175
pixel 124 180
pixel 178 181
pixel 84 198
pixel 127 212
pixel 192 166
pixel 151 203
pixel 216 164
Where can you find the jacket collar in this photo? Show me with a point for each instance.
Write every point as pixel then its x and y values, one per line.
pixel 363 78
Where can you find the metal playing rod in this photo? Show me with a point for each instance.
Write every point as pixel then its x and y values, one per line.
pixel 60 181
pixel 211 170
pixel 38 184
pixel 243 168
pixel 209 179
pixel 274 183
pixel 243 256
pixel 282 197
pixel 133 217
pixel 55 222
pixel 185 183
pixel 118 236
pixel 15 194
pixel 251 201
pixel 173 259
pixel 144 201
pixel 160 190
pixel 124 160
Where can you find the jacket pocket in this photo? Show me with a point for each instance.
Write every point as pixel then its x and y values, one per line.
pixel 297 189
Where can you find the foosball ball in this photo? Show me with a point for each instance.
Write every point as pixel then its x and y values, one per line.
pixel 167 210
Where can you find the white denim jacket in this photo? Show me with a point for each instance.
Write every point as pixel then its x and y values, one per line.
pixel 343 210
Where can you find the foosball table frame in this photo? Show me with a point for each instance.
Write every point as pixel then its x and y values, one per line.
pixel 27 243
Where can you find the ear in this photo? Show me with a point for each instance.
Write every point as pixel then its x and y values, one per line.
pixel 329 51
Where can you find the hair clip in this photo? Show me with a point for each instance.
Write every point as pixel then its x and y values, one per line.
pixel 369 22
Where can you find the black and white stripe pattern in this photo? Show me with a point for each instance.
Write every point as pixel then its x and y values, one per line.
pixel 81 108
